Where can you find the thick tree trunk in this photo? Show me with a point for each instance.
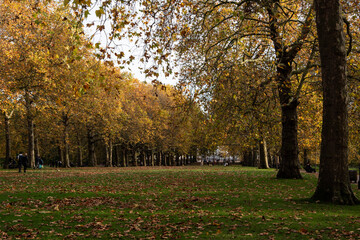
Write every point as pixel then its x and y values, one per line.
pixel 289 159
pixel 285 56
pixel 306 157
pixel 264 163
pixel 334 182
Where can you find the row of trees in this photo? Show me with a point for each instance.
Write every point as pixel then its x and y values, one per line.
pixel 59 101
pixel 267 54
pixel 249 76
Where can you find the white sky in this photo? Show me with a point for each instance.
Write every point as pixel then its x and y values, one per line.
pixel 129 48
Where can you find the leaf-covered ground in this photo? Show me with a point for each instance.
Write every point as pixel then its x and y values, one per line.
pixel 167 203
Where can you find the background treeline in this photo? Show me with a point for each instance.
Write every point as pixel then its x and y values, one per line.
pixel 58 100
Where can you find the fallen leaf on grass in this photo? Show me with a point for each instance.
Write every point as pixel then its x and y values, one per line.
pixel 56 207
pixel 44 212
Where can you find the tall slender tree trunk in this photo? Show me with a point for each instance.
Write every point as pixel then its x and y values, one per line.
pixel 36 143
pixel 30 127
pixel 124 158
pixel 65 120
pixel 91 148
pixel 160 158
pixel 135 157
pixel 152 157
pixel 8 140
pixel 61 155
pixel 263 164
pixel 333 182
pixel 109 153
pixel 80 152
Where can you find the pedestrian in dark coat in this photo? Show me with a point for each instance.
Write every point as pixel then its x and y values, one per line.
pixel 22 161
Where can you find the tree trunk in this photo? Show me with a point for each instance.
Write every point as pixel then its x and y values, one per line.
pixel 285 56
pixel 109 154
pixel 264 164
pixel 30 126
pixel 124 158
pixel 135 157
pixel 117 156
pixel 144 158
pixel 8 141
pixel 289 158
pixel 334 182
pixel 160 158
pixel 152 157
pixel 65 119
pixel 80 152
pixel 306 157
pixel 254 157
pixel 61 156
pixel 91 149
pixel 36 143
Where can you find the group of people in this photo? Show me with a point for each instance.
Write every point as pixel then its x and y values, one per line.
pixel 23 161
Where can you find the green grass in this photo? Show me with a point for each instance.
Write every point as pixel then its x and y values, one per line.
pixel 168 203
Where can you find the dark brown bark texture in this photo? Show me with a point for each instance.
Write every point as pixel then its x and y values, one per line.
pixel 289 147
pixel 285 56
pixel 333 183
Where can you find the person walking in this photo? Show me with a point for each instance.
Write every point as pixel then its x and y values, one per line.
pixel 22 161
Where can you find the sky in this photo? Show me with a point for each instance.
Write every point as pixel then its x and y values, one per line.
pixel 128 47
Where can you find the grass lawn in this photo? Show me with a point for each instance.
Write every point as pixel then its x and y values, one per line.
pixel 168 203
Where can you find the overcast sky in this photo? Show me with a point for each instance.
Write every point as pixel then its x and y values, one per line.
pixel 128 48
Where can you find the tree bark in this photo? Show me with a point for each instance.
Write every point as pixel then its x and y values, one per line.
pixel 285 56
pixel 36 143
pixel 30 126
pixel 91 148
pixel 80 152
pixel 8 141
pixel 109 153
pixel 289 158
pixel 124 158
pixel 264 163
pixel 306 157
pixel 61 156
pixel 152 157
pixel 65 120
pixel 334 182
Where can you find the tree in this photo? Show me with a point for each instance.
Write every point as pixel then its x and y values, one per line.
pixel 333 183
pixel 208 37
